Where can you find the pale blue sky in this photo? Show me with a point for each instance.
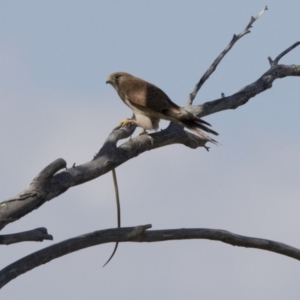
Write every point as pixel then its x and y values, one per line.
pixel 55 57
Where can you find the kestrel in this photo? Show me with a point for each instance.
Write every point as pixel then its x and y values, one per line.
pixel 150 104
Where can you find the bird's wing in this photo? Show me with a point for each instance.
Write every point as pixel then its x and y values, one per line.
pixel 153 102
pixel 145 95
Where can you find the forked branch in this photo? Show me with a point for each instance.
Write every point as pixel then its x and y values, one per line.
pixel 214 65
pixel 56 179
pixel 251 90
pixel 275 62
pixel 50 183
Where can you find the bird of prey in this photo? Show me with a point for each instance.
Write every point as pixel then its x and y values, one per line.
pixel 150 104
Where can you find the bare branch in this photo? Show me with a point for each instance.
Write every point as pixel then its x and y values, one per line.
pixel 245 94
pixel 55 179
pixel 48 185
pixel 214 65
pixel 275 62
pixel 35 235
pixel 32 197
pixel 138 234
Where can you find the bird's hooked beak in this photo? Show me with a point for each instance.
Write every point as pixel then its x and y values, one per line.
pixel 109 80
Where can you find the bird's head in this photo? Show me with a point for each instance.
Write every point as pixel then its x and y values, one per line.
pixel 116 78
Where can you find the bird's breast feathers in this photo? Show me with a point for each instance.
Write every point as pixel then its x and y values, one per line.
pixel 145 118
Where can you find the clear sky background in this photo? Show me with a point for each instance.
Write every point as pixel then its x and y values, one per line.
pixel 55 57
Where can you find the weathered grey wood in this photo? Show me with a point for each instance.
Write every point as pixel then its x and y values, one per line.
pixel 35 235
pixel 50 183
pixel 249 91
pixel 138 234
pixel 216 62
pixel 56 179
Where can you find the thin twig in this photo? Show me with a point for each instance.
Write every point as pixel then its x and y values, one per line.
pixel 276 60
pixel 214 65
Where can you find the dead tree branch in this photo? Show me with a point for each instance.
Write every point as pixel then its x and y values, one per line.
pixel 214 65
pixel 275 62
pixel 56 179
pixel 245 94
pixel 35 235
pixel 50 183
pixel 138 234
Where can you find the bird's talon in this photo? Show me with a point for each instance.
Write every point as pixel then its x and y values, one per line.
pixel 126 123
pixel 144 131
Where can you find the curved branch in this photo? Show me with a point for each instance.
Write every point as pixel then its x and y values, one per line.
pixel 138 234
